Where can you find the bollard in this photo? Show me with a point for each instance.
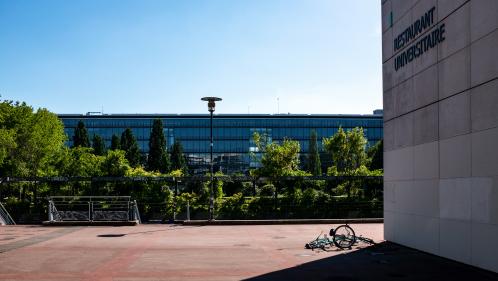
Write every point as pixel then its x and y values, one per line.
pixel 50 214
pixel 188 210
pixel 174 211
pixel 174 201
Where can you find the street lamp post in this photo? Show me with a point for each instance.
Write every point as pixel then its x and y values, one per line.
pixel 211 104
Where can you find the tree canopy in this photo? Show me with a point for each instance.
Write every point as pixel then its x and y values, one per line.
pixel 98 145
pixel 130 146
pixel 80 161
pixel 80 137
pixel 314 163
pixel 28 139
pixel 278 159
pixel 115 142
pixel 376 155
pixel 158 158
pixel 115 164
pixel 178 161
pixel 347 150
pixel 7 143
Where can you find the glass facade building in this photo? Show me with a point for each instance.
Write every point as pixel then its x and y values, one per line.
pixel 234 149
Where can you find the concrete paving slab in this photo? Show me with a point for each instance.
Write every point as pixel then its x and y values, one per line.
pixel 242 252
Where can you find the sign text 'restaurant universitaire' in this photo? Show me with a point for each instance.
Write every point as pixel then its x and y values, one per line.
pixel 427 42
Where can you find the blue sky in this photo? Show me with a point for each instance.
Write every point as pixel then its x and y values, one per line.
pixel 146 56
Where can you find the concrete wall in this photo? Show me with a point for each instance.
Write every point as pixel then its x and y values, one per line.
pixel 441 133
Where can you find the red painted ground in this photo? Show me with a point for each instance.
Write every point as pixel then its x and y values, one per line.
pixel 157 252
pixel 165 252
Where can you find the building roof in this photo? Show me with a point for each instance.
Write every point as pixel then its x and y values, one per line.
pixel 162 115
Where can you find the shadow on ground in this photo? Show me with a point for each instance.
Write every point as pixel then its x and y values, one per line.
pixel 384 261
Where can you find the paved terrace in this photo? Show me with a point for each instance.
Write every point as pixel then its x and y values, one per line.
pixel 175 252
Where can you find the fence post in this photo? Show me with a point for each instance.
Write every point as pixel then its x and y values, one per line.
pixel 275 200
pixel 174 210
pixel 50 215
pixel 174 201
pixel 136 213
pixel 188 210
pixel 90 211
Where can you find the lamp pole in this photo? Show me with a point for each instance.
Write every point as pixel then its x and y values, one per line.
pixel 211 105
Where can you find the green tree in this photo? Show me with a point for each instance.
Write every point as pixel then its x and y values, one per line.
pixel 376 155
pixel 348 158
pixel 115 142
pixel 347 150
pixel 278 159
pixel 29 139
pixel 178 161
pixel 7 143
pixel 158 158
pixel 98 145
pixel 115 164
pixel 81 162
pixel 8 127
pixel 130 146
pixel 314 163
pixel 80 137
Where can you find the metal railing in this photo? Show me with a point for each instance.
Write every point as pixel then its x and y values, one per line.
pixel 92 208
pixel 267 209
pixel 5 217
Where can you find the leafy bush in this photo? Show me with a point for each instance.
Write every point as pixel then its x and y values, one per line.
pixel 267 190
pixel 233 207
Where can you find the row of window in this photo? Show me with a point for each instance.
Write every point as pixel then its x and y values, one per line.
pixel 222 146
pixel 225 133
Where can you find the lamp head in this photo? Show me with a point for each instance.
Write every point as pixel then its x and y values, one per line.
pixel 211 102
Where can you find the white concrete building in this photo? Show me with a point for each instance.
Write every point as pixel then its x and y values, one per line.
pixel 440 79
